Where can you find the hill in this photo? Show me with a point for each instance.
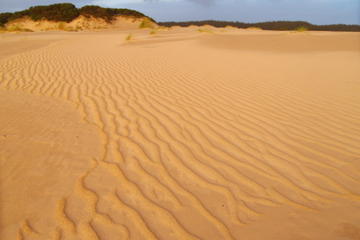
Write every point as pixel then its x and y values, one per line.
pixel 67 13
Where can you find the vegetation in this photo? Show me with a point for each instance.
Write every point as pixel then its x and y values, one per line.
pixel 4 17
pixel 254 28
pixel 301 29
pixel 108 14
pixel 66 12
pixel 152 32
pixel 129 37
pixel 146 23
pixel 204 30
pixel 56 12
pixel 17 28
pixel 276 25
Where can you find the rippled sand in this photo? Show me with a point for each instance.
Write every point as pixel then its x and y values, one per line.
pixel 225 134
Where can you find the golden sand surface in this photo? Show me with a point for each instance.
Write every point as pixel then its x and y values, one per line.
pixel 180 134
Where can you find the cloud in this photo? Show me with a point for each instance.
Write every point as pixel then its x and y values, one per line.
pixel 199 2
pixel 111 3
pixel 203 2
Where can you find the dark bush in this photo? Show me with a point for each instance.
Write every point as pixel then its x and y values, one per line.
pixel 109 13
pixel 56 12
pixel 96 11
pixel 4 18
pixel 17 15
pixel 126 12
pixel 282 25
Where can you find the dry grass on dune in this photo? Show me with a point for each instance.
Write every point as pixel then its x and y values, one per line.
pixel 235 135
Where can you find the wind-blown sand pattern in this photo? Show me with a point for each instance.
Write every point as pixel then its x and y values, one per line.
pixel 180 135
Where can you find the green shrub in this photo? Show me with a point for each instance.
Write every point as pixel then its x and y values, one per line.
pixel 17 28
pixel 129 37
pixel 62 25
pixel 146 23
pixel 254 28
pixel 65 12
pixel 96 11
pixel 301 29
pixel 108 14
pixel 204 30
pixel 152 32
pixel 4 18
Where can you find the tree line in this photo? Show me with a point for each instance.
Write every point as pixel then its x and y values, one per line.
pixel 273 25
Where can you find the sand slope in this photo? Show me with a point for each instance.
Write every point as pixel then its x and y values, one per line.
pixel 180 135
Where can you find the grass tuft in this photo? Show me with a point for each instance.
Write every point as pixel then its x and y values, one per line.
pixel 152 32
pixel 129 37
pixel 17 28
pixel 302 29
pixel 146 23
pixel 254 28
pixel 204 30
pixel 62 26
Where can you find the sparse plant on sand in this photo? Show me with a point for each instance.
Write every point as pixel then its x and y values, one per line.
pixel 146 23
pixel 61 25
pixel 129 37
pixel 13 28
pixel 254 28
pixel 204 30
pixel 163 28
pixel 302 29
pixel 70 29
pixel 152 32
pixel 17 28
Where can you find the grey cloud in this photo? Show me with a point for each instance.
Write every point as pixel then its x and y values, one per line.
pixel 203 2
pixel 199 2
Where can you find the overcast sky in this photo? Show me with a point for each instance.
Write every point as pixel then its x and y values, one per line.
pixel 315 11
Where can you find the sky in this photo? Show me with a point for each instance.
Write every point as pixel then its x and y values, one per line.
pixel 314 11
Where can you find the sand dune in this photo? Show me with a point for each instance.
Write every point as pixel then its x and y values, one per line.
pixel 80 23
pixel 182 134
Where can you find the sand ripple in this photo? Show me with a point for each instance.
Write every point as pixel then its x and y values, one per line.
pixel 179 140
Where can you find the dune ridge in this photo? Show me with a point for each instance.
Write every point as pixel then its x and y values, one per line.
pixel 181 139
pixel 66 17
pixel 80 23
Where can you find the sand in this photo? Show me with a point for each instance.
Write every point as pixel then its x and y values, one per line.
pixel 181 134
pixel 79 23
